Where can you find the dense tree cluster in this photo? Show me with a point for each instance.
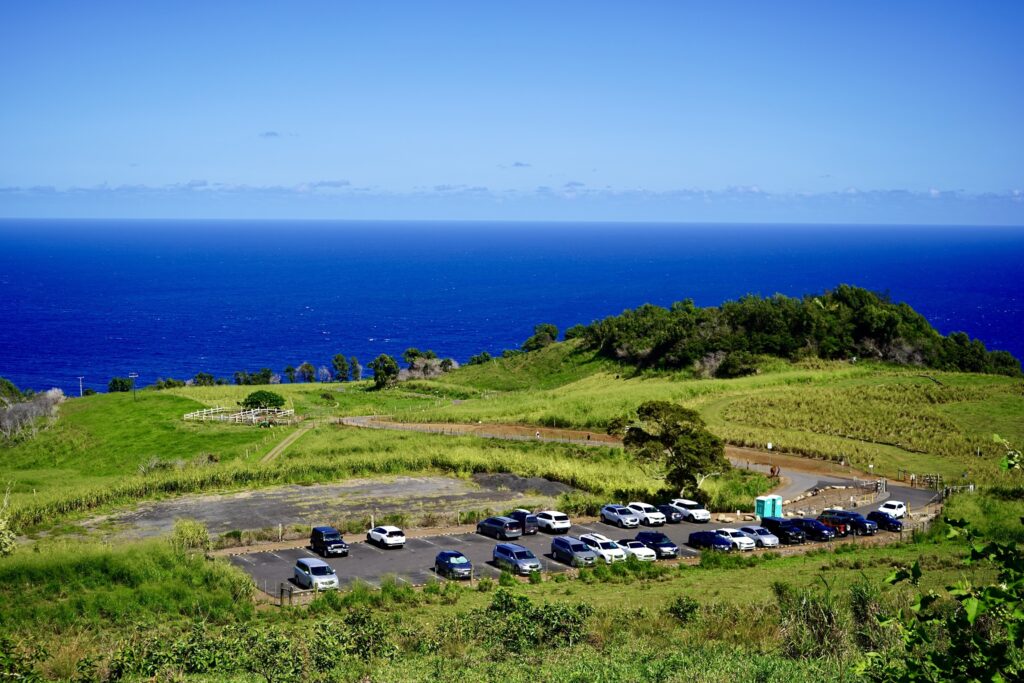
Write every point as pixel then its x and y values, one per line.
pixel 385 371
pixel 263 399
pixel 544 334
pixel 847 322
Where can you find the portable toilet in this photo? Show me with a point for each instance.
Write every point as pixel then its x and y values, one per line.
pixel 764 507
pixel 776 505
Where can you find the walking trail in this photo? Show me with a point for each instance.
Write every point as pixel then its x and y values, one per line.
pixel 800 474
pixel 286 442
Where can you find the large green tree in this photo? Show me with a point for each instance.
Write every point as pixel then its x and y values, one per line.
pixel 263 399
pixel 674 441
pixel 340 368
pixel 544 334
pixel 307 372
pixel 385 370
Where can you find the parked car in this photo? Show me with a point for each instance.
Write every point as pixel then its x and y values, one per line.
pixel 661 544
pixel 855 522
pixel 504 528
pixel 737 538
pixel 709 540
pixel 673 515
pixel 515 558
pixel 620 515
pixel 692 510
pixel 327 541
pixel 635 548
pixel 835 523
pixel 885 521
pixel 316 574
pixel 553 521
pixel 784 530
pixel 572 551
pixel 648 514
pixel 896 508
pixel 606 548
pixel 761 537
pixel 386 536
pixel 453 564
pixel 526 519
pixel 813 529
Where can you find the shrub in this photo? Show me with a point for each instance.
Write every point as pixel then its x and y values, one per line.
pixel 189 535
pixel 814 624
pixel 683 608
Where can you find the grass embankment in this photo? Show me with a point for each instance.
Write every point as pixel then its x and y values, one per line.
pixel 865 413
pixel 144 601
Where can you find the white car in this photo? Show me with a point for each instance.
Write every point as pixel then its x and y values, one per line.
pixel 553 521
pixel 895 508
pixel 606 548
pixel 638 550
pixel 761 537
pixel 619 515
pixel 386 536
pixel 692 510
pixel 316 574
pixel 648 514
pixel 738 539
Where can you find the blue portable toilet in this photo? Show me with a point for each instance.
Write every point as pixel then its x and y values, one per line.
pixel 763 507
pixel 776 505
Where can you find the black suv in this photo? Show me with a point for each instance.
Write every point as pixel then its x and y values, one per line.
pixel 854 521
pixel 661 544
pixel 788 533
pixel 814 530
pixel 527 520
pixel 504 528
pixel 326 540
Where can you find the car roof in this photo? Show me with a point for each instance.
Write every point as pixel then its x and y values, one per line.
pixel 389 528
pixel 326 529
pixel 502 518
pixel 727 528
pixel 640 502
pixel 752 527
pixel 686 500
pixel 450 553
pixel 551 512
pixel 512 547
pixel 596 537
pixel 312 562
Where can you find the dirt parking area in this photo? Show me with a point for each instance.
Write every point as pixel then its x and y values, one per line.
pixel 416 496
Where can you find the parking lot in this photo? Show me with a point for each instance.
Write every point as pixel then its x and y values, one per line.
pixel 414 563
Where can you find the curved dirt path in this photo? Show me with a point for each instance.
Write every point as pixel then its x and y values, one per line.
pixel 285 443
pixel 798 472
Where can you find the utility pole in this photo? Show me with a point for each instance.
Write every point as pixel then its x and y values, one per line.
pixel 133 376
pixel 80 386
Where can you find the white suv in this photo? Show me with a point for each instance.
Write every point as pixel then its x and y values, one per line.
pixel 738 539
pixel 553 521
pixel 648 514
pixel 692 510
pixel 605 547
pixel 315 574
pixel 619 515
pixel 386 536
pixel 895 508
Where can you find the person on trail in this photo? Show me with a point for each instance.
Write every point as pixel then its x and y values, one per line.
pixel 538 435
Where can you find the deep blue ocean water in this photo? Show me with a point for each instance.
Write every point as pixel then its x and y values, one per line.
pixel 170 298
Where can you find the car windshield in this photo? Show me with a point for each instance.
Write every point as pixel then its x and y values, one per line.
pixel 458 559
pixel 578 547
pixel 523 555
pixel 530 519
pixel 735 534
pixel 762 532
pixel 561 518
pixel 332 537
pixel 395 533
pixel 620 511
pixel 634 544
pixel 321 571
pixel 608 545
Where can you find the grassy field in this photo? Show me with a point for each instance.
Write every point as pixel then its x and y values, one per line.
pixel 864 413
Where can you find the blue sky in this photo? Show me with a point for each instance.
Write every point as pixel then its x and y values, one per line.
pixel 812 112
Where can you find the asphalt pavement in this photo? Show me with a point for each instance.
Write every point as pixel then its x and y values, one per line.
pixel 414 562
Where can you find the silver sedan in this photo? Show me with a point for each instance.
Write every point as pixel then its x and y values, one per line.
pixel 761 537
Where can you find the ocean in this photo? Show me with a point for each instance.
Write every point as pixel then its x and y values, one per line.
pixel 171 298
